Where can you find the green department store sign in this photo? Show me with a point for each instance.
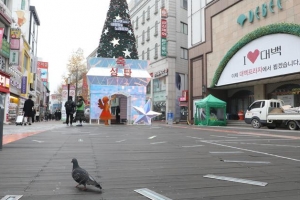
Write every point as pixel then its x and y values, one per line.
pixel 164 50
pixel 263 11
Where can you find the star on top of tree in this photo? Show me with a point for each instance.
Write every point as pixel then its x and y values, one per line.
pixel 115 42
pixel 127 53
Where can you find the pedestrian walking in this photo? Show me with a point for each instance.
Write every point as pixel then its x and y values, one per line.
pixel 33 114
pixel 56 114
pixel 80 110
pixel 27 109
pixel 118 117
pixel 37 115
pixel 59 114
pixel 70 109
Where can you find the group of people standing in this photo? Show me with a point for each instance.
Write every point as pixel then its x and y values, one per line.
pixel 71 108
pixel 30 113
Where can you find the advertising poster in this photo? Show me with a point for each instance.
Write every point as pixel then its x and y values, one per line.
pixel 43 70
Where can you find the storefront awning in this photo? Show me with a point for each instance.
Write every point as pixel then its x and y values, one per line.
pixel 183 104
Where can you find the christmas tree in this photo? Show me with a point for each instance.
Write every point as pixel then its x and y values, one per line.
pixel 117 37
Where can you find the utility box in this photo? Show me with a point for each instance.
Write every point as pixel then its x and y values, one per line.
pixel 170 118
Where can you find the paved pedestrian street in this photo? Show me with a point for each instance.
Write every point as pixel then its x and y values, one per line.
pixel 140 162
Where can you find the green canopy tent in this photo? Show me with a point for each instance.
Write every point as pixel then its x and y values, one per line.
pixel 210 111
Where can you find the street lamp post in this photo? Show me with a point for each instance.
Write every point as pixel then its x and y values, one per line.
pixel 69 81
pixel 76 84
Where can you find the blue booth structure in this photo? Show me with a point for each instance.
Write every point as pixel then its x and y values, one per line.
pixel 124 79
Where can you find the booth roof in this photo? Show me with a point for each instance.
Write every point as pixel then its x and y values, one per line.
pixel 210 101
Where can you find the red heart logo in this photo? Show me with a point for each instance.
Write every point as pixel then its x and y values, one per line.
pixel 252 56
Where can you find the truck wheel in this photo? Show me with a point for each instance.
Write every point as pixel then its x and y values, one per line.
pixel 255 123
pixel 292 125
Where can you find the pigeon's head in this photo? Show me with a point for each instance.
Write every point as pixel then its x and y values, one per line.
pixel 74 161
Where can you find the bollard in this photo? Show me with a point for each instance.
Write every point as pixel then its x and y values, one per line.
pixel 1 126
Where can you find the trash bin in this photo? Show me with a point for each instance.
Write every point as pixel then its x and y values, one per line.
pixel 1 126
pixel 170 118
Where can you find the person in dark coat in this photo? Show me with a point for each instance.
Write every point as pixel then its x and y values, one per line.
pixel 59 114
pixel 56 114
pixel 70 109
pixel 33 114
pixel 27 109
pixel 118 115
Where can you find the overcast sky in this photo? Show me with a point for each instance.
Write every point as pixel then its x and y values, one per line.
pixel 65 26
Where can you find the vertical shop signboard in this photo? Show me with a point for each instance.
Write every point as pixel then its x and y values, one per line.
pixel 43 70
pixel 24 85
pixel 15 34
pixel 164 26
pixel 14 57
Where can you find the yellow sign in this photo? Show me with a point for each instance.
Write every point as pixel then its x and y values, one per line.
pixel 15 33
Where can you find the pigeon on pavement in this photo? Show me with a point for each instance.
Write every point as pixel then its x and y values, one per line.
pixel 82 177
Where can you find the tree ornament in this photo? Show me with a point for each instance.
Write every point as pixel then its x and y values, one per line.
pixel 115 42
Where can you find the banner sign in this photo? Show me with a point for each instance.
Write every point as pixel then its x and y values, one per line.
pixel 163 28
pixel 5 50
pixel 163 45
pixel 14 44
pixel 268 56
pixel 15 33
pixel 43 70
pixel 24 85
pixel 1 35
pixel 119 24
pixel 14 57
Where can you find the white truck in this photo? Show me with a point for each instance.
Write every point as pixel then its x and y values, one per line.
pixel 261 113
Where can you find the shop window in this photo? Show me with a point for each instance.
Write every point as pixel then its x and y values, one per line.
pixel 183 53
pixel 137 41
pixel 184 28
pixel 156 7
pixel 163 3
pixel 137 23
pixel 143 17
pixel 156 29
pixel 148 34
pixel 148 53
pixel 148 13
pixel 143 37
pixel 25 62
pixel 156 51
pixel 143 55
pixel 184 4
pixel 149 88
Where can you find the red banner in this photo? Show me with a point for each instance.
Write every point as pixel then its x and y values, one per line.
pixel 43 65
pixel 1 35
pixel 43 70
pixel 163 28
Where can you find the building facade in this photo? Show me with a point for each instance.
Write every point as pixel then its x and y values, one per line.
pixel 21 58
pixel 160 27
pixel 244 51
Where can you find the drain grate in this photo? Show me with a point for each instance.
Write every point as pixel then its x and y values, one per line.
pixel 12 197
pixel 151 194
